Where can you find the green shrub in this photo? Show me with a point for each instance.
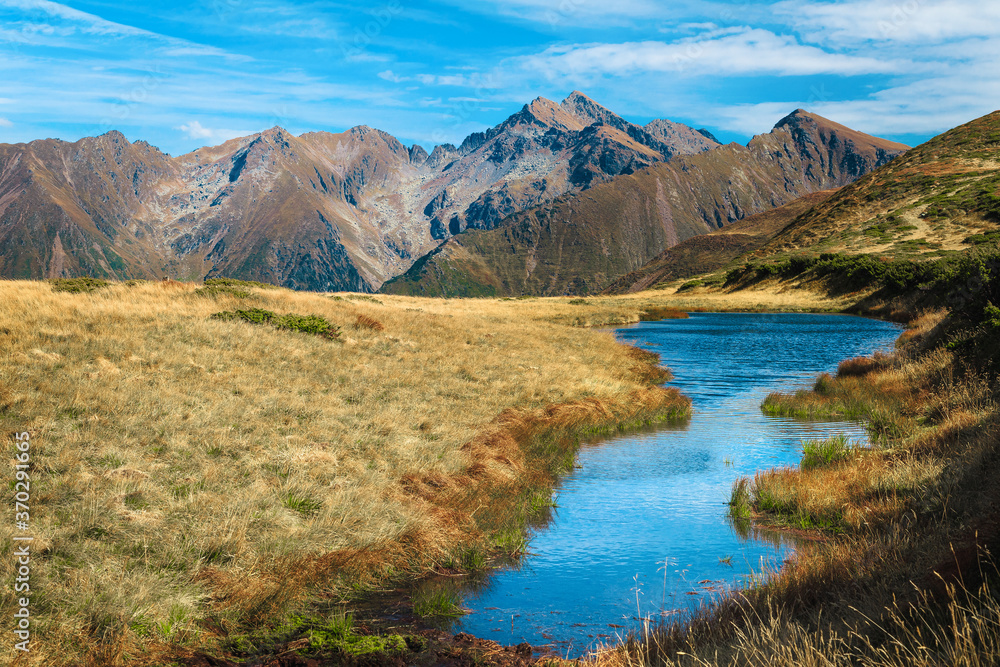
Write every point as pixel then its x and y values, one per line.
pixel 310 324
pixel 233 282
pixel 77 285
pixel 223 290
pixel 691 284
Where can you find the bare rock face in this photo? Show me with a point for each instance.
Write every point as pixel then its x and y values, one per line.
pixel 685 140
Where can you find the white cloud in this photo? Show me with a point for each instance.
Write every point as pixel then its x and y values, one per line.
pixel 5 123
pixel 195 130
pixel 93 23
pixel 389 75
pixel 556 13
pixel 744 51
pixel 902 21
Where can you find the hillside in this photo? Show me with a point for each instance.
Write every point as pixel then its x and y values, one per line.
pixel 319 211
pixel 583 241
pixel 940 197
pixel 712 251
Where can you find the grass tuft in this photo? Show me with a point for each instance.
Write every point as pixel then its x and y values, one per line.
pixel 367 322
pixel 819 453
pixel 439 603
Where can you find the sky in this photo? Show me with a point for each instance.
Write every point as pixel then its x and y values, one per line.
pixel 181 75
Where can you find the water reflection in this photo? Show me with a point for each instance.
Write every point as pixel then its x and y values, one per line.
pixel 640 530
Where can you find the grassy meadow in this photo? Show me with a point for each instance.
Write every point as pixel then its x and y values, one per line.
pixel 196 480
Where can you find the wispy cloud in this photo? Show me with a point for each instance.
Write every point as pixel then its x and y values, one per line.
pixel 740 51
pixel 5 123
pixel 389 75
pixel 195 130
pixel 91 23
pixel 900 21
pixel 555 13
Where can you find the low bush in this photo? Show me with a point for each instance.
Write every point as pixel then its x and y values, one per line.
pixel 310 324
pixel 77 285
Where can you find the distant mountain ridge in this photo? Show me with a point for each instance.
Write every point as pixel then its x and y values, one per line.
pixel 583 241
pixel 319 211
pixel 939 199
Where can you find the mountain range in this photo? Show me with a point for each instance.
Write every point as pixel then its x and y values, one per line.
pixel 353 210
pixel 582 241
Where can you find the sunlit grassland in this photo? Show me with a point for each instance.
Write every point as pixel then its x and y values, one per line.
pixel 903 568
pixel 196 478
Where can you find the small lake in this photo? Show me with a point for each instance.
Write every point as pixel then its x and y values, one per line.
pixel 640 529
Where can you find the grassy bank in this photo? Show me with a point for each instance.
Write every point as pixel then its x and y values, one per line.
pixel 197 478
pixel 905 570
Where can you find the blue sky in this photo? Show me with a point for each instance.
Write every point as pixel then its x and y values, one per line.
pixel 186 74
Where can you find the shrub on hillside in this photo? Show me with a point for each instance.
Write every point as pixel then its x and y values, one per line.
pixel 77 285
pixel 310 324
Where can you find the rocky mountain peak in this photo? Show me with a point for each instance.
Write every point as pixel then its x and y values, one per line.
pixel 553 115
pixel 114 136
pixel 588 111
pixel 803 123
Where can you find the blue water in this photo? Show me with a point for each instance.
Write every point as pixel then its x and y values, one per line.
pixel 645 513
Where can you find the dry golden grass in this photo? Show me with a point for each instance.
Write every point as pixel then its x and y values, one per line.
pixel 194 477
pixel 770 296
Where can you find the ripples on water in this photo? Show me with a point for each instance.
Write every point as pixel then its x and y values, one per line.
pixel 645 513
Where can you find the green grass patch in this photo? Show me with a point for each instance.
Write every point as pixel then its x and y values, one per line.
pixel 336 636
pixel 362 297
pixel 301 503
pixel 690 285
pixel 310 324
pixel 740 503
pixel 820 453
pixel 239 284
pixel 216 287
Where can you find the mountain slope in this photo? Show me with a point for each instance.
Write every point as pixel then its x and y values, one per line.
pixel 584 241
pixel 320 211
pixel 926 203
pixel 712 251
